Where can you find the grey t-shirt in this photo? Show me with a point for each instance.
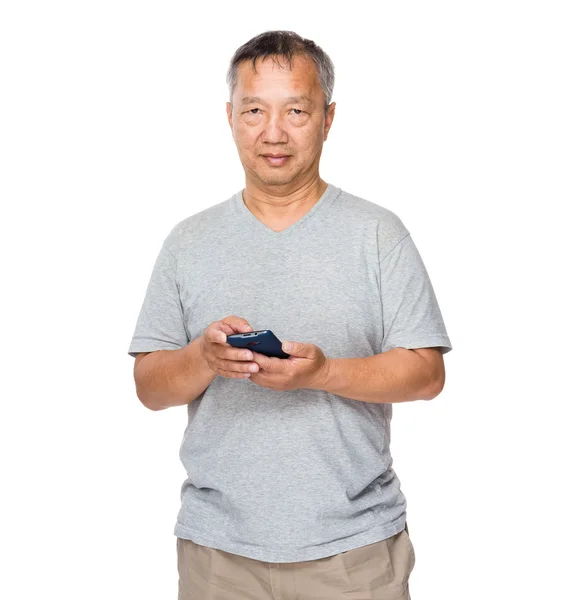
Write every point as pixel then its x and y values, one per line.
pixel 286 476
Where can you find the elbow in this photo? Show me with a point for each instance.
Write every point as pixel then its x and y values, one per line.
pixel 152 407
pixel 436 386
pixel 431 373
pixel 144 397
pixel 141 391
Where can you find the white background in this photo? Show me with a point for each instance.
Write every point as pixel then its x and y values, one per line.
pixel 113 129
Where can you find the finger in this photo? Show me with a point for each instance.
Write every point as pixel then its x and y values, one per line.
pixel 228 352
pixel 218 332
pixel 236 366
pixel 268 363
pixel 232 374
pixel 238 324
pixel 229 326
pixel 260 359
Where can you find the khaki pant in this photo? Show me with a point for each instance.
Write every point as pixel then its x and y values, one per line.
pixel 378 571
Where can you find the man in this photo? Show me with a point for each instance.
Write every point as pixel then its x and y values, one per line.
pixel 290 489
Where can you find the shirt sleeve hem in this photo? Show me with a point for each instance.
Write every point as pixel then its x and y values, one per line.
pixel 440 342
pixel 136 349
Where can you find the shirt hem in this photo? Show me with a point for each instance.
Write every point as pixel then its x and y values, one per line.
pixel 376 534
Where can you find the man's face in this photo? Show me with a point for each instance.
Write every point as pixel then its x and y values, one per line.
pixel 279 111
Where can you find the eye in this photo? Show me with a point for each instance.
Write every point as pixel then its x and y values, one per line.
pixel 254 113
pixel 298 111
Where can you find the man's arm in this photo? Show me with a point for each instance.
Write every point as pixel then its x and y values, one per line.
pixel 399 375
pixel 167 378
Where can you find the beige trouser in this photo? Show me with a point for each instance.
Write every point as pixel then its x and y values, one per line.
pixel 378 571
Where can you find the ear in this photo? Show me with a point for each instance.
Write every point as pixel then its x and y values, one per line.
pixel 229 114
pixel 329 120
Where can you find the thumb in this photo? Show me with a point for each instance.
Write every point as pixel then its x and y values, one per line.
pixel 295 348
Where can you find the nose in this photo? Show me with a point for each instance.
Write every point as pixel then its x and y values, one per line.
pixel 274 132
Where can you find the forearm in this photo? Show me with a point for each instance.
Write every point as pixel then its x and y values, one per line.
pixel 166 378
pixel 399 375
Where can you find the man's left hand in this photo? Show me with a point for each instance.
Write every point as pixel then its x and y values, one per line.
pixel 307 367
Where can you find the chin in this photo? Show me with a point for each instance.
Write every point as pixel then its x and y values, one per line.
pixel 276 178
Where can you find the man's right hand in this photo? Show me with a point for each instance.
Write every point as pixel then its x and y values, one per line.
pixel 223 359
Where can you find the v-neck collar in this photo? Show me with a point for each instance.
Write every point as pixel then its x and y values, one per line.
pixel 330 194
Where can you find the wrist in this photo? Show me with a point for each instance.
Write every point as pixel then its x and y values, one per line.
pixel 203 363
pixel 324 376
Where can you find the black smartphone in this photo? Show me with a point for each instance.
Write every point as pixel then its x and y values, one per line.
pixel 264 342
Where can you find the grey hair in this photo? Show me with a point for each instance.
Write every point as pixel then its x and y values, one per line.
pixel 286 44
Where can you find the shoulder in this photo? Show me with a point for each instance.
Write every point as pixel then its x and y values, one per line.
pixel 389 229
pixel 200 223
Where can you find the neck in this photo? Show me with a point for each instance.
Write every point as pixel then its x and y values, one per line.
pixel 280 202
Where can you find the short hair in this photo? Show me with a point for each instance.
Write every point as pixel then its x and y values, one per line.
pixel 286 44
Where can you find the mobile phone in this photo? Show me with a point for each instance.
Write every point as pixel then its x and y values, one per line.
pixel 264 342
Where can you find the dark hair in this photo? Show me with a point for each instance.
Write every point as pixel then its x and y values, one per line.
pixel 287 44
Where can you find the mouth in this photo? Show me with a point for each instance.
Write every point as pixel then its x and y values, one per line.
pixel 276 160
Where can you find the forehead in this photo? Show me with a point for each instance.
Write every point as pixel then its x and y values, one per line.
pixel 302 78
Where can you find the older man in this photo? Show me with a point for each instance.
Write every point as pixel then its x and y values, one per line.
pixel 290 491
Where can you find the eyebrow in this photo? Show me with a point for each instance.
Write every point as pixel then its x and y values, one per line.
pixel 253 99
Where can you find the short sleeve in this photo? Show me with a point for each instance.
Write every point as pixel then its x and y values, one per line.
pixel 411 314
pixel 160 324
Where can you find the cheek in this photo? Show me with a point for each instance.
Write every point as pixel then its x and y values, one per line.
pixel 244 138
pixel 245 148
pixel 308 141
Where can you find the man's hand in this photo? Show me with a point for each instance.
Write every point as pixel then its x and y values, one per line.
pixel 222 358
pixel 305 368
